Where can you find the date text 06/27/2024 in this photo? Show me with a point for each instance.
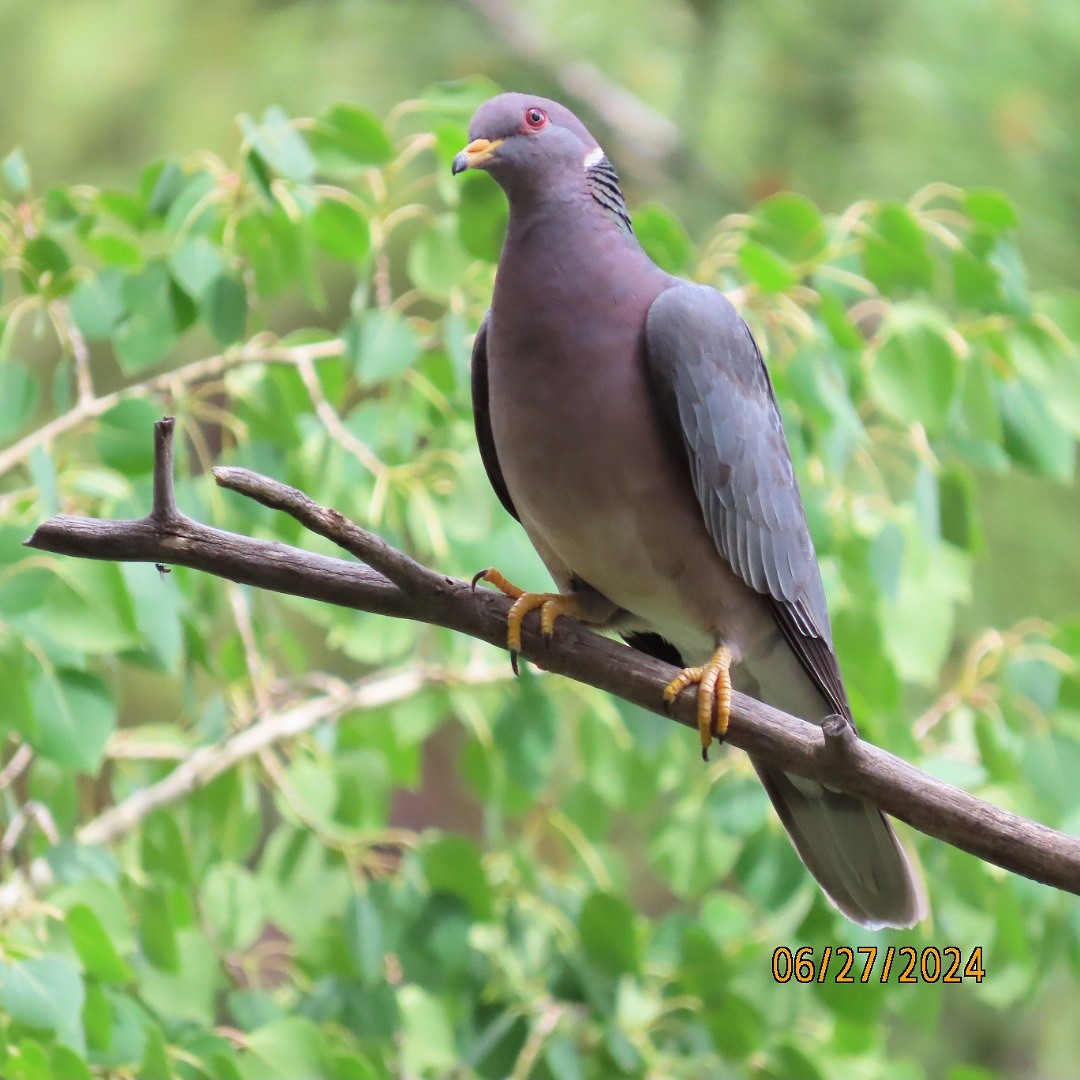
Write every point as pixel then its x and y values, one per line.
pixel 903 964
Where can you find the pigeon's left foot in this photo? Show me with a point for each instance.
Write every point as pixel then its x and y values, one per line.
pixel 714 695
pixel 551 606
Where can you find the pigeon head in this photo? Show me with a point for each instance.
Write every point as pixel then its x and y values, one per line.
pixel 529 144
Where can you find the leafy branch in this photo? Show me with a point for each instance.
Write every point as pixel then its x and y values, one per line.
pixel 90 406
pixel 392 583
pixel 207 763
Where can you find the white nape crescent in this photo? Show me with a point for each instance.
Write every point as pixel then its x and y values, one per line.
pixel 593 157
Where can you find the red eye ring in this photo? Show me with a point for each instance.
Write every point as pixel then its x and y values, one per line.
pixel 535 118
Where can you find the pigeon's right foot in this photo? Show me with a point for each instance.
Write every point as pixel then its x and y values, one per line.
pixel 714 695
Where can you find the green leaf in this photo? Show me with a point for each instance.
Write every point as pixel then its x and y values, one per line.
pixel 142 342
pixel 157 315
pixel 224 307
pixel 482 216
pixel 525 735
pixel 128 1035
pixel 194 209
pixel 253 1009
pixel 789 1061
pixel 664 238
pixel 261 174
pixel 437 259
pixel 43 473
pixel 991 208
pixel 75 717
pixel 163 849
pixel 72 862
pixel 275 247
pixel 768 271
pixel 18 397
pixel 979 401
pixel 288 1049
pixel 45 993
pixel 608 934
pixel 45 256
pixel 157 936
pixel 157 602
pixel 95 948
pixel 124 437
pixel 691 852
pixel 895 254
pixel 916 374
pixel 26 1061
pixel 563 1059
pixel 127 208
pixel 155 1060
pixel 60 207
pixel 382 345
pixel 233 906
pixel 623 1053
pixel 191 993
pixel 1057 361
pixel 195 265
pixel 67 1065
pixel 97 1018
pixel 976 281
pixel 427 1035
pixel 279 144
pixel 86 608
pixel 340 230
pixel 222 1067
pixel 789 225
pixel 364 937
pixel 348 136
pixel 1032 437
pixel 737 1027
pixel 843 330
pixel 959 510
pixel 15 172
pixel 16 666
pixel 96 304
pixel 114 248
pixel 92 886
pixel 452 864
pixel 166 180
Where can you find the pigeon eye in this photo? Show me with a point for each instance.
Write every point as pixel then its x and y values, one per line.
pixel 535 118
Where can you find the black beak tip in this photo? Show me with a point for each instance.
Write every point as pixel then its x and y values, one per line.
pixel 461 163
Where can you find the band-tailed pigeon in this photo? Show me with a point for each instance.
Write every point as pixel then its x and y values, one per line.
pixel 626 419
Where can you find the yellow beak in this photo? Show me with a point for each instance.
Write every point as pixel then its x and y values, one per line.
pixel 478 152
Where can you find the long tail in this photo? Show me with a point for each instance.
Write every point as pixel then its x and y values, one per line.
pixel 847 844
pixel 850 848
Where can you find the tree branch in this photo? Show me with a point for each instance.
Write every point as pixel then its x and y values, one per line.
pixel 403 588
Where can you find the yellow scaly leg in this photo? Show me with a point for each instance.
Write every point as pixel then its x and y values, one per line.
pixel 551 606
pixel 714 695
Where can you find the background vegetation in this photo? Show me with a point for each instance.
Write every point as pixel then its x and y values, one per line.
pixel 448 873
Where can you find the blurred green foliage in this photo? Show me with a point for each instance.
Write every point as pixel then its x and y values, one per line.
pixel 479 877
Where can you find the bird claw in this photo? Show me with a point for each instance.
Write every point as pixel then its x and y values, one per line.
pixel 714 696
pixel 494 577
pixel 551 606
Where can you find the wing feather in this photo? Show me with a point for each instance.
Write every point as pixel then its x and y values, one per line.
pixel 482 418
pixel 714 390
